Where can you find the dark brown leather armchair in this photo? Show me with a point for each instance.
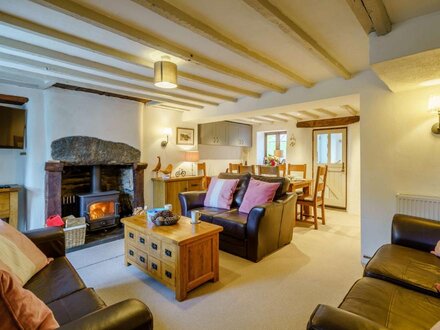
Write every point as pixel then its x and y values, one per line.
pixel 264 230
pixel 74 305
pixel 397 290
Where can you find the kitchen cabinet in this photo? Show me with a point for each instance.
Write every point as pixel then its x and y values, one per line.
pixel 225 133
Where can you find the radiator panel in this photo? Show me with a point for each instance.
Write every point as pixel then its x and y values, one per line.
pixel 419 206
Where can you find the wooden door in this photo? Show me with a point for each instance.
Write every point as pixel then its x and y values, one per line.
pixel 172 193
pixel 330 148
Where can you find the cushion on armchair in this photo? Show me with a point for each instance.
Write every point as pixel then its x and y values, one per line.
pixel 20 256
pixel 258 192
pixel 20 308
pixel 220 193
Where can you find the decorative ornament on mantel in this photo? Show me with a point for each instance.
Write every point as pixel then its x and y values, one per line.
pixel 156 169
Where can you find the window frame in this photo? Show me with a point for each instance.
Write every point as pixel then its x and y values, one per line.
pixel 277 141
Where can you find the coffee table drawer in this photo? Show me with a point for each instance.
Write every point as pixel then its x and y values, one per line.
pixel 131 236
pixel 142 242
pixel 169 274
pixel 154 246
pixel 155 267
pixel 131 254
pixel 168 252
pixel 142 259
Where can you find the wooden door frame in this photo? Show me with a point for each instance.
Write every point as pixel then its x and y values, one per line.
pixel 346 160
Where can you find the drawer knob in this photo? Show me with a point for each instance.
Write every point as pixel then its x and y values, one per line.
pixel 131 235
pixel 154 246
pixel 142 240
pixel 142 259
pixel 168 274
pixel 131 252
pixel 154 266
pixel 168 253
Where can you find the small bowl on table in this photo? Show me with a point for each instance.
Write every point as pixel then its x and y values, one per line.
pixel 165 218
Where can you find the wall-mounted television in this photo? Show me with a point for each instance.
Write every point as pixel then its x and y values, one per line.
pixel 12 127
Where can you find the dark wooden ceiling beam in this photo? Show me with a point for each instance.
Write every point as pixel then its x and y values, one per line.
pixel 12 99
pixel 342 121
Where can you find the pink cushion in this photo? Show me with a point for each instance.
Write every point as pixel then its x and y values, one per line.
pixel 20 308
pixel 220 193
pixel 257 193
pixel 19 255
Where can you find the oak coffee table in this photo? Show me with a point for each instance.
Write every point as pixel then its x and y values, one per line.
pixel 182 256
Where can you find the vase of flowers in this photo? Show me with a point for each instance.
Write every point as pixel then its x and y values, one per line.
pixel 272 160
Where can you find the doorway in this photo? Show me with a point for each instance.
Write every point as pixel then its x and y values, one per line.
pixel 330 148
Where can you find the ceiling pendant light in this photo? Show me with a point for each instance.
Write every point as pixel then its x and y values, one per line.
pixel 165 73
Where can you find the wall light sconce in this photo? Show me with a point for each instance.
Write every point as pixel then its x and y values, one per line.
pixel 165 73
pixel 167 132
pixel 434 106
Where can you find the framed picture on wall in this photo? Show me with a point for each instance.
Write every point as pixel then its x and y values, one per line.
pixel 185 136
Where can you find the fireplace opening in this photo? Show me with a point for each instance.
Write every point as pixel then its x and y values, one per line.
pixel 101 210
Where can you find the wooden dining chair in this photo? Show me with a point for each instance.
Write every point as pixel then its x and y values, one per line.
pixel 269 170
pixel 246 169
pixel 201 168
pixel 234 168
pixel 316 198
pixel 283 168
pixel 298 168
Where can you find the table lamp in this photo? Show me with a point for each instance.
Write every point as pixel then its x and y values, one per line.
pixel 279 153
pixel 192 156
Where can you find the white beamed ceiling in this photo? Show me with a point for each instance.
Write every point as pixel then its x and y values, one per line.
pixel 331 23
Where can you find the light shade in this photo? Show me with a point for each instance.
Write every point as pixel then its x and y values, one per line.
pixel 192 156
pixel 167 131
pixel 165 74
pixel 279 153
pixel 434 103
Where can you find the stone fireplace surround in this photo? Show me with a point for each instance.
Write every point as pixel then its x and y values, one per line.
pixel 70 172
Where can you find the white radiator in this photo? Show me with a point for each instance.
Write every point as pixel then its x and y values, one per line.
pixel 419 206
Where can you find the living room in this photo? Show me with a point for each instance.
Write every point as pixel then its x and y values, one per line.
pixel 81 74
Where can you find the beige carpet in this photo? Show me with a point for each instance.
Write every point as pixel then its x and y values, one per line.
pixel 279 292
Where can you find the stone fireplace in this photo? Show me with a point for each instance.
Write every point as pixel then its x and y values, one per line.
pixel 100 180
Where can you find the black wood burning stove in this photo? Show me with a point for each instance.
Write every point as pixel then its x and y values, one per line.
pixel 100 208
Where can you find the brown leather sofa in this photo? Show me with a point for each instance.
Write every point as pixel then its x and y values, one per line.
pixel 252 236
pixel 74 305
pixel 397 290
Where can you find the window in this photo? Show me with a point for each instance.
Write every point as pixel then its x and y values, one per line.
pixel 275 141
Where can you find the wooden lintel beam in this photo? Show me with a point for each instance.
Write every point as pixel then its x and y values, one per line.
pixel 326 112
pixel 372 15
pixel 379 16
pixel 146 38
pixel 43 31
pixel 260 120
pixel 12 99
pixel 342 121
pixel 292 29
pixel 350 109
pixel 174 14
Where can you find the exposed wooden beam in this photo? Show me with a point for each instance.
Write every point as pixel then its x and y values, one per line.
pixel 68 59
pixel 146 38
pixel 178 16
pixel 57 70
pixel 288 26
pixel 326 112
pixel 172 107
pixel 165 107
pixel 275 118
pixel 309 114
pixel 372 15
pixel 40 30
pixel 342 121
pixel 379 16
pixel 12 99
pixel 358 9
pixel 262 119
pixel 96 91
pixel 350 109
pixel 291 116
